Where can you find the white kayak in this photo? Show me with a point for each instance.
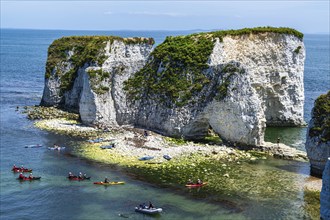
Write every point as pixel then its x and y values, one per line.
pixel 56 148
pixel 147 210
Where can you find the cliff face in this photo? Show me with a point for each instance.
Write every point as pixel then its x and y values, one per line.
pixel 85 74
pixel 235 82
pixel 318 135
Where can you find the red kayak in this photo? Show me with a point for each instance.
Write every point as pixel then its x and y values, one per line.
pixel 28 178
pixel 79 178
pixel 196 185
pixel 21 170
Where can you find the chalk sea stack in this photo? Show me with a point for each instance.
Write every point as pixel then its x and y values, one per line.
pixel 318 135
pixel 236 82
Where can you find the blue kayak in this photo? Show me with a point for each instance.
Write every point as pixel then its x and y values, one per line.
pixel 97 140
pixel 146 158
pixel 108 146
pixel 167 157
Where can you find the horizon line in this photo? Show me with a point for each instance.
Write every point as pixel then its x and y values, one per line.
pixel 136 30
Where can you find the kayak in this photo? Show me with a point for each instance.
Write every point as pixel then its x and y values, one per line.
pixel 20 170
pixel 97 140
pixel 146 158
pixel 109 183
pixel 147 210
pixel 167 157
pixel 33 146
pixel 196 185
pixel 28 178
pixel 108 146
pixel 78 178
pixel 56 148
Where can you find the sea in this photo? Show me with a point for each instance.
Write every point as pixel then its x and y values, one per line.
pixel 23 57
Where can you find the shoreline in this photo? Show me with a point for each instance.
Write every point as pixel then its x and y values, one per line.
pixel 131 144
pixel 130 141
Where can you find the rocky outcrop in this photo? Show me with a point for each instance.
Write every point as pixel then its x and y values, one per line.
pixel 325 193
pixel 318 135
pixel 252 80
pixel 235 82
pixel 84 80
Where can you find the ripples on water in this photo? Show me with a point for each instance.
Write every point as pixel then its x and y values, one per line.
pixel 23 58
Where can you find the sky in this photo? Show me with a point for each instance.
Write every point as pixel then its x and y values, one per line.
pixel 304 16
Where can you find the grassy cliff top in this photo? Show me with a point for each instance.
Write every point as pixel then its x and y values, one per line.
pixel 182 60
pixel 321 116
pixel 256 30
pixel 185 58
pixel 85 49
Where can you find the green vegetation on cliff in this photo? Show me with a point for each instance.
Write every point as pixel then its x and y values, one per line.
pixel 175 72
pixel 257 30
pixel 321 116
pixel 96 77
pixel 177 68
pixel 78 51
pixel 182 59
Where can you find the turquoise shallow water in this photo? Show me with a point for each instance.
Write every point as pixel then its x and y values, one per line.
pixel 23 58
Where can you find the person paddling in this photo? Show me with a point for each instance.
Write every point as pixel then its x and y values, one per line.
pixel 70 175
pixel 106 180
pixel 21 176
pixel 56 147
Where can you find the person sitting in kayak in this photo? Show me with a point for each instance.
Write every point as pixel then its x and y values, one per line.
pixel 21 176
pixel 70 175
pixel 85 176
pixel 80 175
pixel 199 181
pixel 150 205
pixel 22 167
pixel 56 147
pixel 30 176
pixel 15 167
pixel 190 182
pixel 106 180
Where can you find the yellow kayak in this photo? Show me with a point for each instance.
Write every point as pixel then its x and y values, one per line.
pixel 109 183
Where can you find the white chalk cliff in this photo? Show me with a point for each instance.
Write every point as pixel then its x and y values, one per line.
pixel 318 135
pixel 261 76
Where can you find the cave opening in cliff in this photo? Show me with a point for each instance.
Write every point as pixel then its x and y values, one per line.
pixel 212 137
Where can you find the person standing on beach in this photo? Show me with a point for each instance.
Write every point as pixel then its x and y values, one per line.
pixel 278 141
